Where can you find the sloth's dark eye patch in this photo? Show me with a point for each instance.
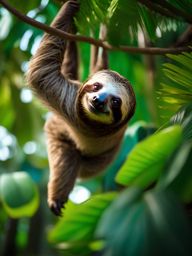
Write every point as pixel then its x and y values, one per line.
pixel 97 86
pixel 116 108
pixel 115 102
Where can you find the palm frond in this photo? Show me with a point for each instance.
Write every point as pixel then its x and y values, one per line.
pixel 184 5
pixel 177 90
pixel 91 14
pixel 124 19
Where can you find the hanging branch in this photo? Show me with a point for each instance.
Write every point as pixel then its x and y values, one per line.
pixel 90 40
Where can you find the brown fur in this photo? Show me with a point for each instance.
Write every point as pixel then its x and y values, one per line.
pixel 77 145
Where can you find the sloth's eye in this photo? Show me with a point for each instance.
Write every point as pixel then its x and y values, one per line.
pixel 116 102
pixel 97 87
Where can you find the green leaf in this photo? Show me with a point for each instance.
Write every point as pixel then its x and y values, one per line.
pixel 184 118
pixel 134 133
pixel 6 103
pixel 146 160
pixel 113 216
pixel 79 221
pixel 19 194
pixel 184 58
pixel 149 22
pixel 91 14
pixel 25 7
pixel 178 176
pixel 32 127
pixel 145 224
pixel 124 17
pixel 170 224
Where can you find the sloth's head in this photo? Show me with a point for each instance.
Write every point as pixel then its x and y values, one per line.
pixel 107 98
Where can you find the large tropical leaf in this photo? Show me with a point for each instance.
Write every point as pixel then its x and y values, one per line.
pixel 124 18
pixel 149 224
pixel 91 14
pixel 18 194
pixel 79 221
pixel 134 133
pixel 146 160
pixel 178 175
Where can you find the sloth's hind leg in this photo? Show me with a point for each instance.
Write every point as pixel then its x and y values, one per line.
pixel 63 163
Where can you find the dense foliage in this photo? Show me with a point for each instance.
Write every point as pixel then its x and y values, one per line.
pixel 141 205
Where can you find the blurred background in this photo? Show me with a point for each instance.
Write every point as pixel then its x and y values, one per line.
pixel 141 205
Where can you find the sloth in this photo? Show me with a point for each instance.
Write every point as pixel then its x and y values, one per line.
pixel 89 119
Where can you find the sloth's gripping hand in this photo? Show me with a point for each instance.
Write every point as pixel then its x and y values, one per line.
pixel 44 75
pixel 66 14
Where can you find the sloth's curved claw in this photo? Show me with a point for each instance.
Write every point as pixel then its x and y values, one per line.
pixel 56 207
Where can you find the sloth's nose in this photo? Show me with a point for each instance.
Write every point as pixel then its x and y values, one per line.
pixel 100 101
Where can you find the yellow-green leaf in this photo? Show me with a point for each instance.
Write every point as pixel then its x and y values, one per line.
pixel 19 194
pixel 146 160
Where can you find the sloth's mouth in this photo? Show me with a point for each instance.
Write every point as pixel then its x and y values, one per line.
pixel 98 111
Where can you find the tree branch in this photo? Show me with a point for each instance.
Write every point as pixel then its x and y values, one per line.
pixel 90 40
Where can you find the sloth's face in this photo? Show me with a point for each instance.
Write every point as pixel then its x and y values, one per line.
pixel 104 99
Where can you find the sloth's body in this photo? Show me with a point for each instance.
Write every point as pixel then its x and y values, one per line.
pixel 89 119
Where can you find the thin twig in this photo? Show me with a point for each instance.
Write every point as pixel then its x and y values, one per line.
pixel 90 40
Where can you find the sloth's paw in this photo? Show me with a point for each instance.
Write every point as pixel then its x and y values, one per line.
pixel 56 206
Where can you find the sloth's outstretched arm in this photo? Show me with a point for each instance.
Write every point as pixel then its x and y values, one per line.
pixel 63 162
pixel 45 75
pixel 49 76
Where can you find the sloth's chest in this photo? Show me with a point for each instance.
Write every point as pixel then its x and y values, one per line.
pixel 93 145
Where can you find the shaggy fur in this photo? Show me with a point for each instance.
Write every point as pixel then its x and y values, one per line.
pixel 78 145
